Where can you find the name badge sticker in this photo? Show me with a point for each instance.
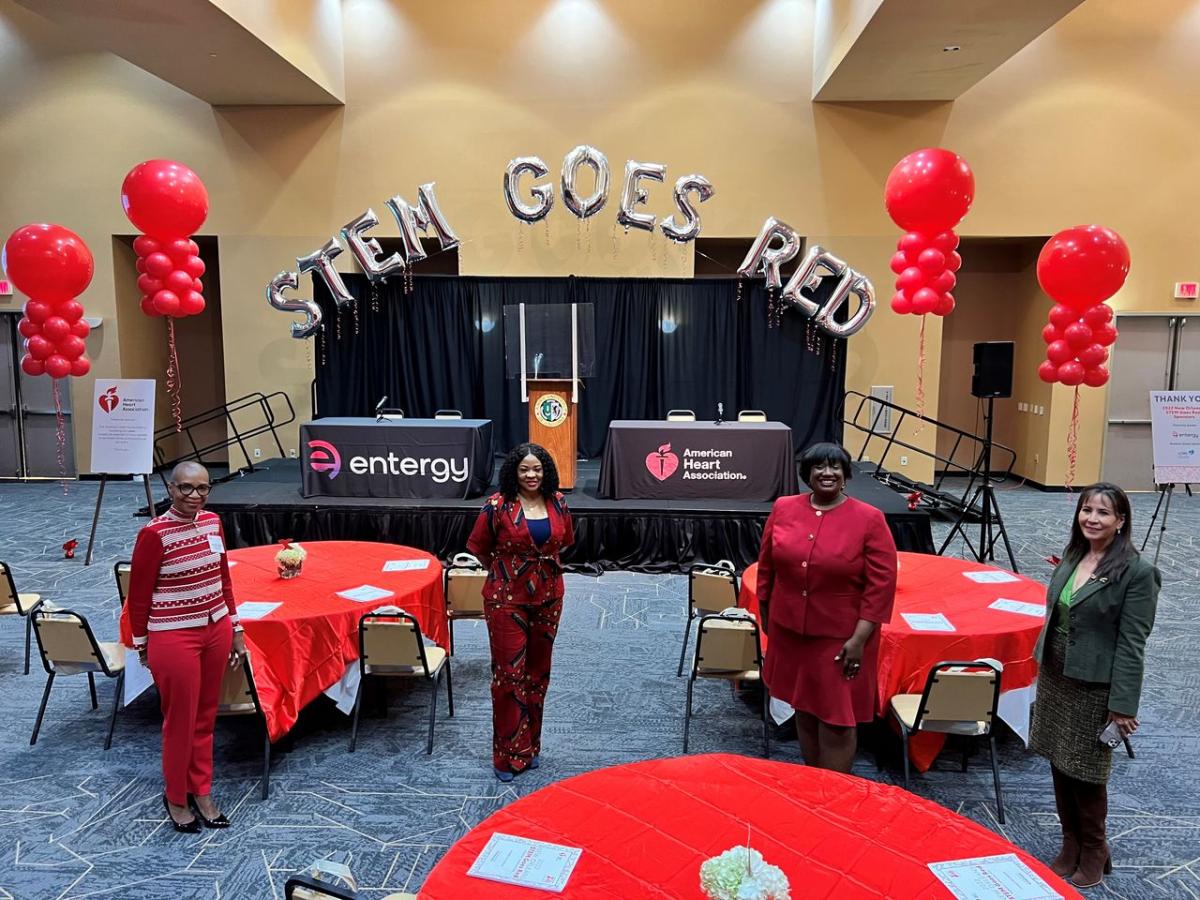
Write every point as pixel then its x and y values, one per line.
pixel 215 544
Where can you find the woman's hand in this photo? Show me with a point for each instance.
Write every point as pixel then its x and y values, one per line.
pixel 238 651
pixel 850 657
pixel 1127 724
pixel 143 656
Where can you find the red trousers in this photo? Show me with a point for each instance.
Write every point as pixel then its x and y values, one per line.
pixel 188 665
pixel 522 638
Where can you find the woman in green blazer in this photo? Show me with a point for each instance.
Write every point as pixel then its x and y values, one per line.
pixel 1099 612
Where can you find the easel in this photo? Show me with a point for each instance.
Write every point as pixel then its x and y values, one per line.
pixel 100 501
pixel 1165 493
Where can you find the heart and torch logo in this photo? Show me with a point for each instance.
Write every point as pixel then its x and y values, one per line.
pixel 662 463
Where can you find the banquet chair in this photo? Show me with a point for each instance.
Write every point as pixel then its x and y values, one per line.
pixel 122 573
pixel 305 887
pixel 390 644
pixel 448 414
pixel 463 587
pixel 711 588
pixel 681 415
pixel 239 697
pixel 960 698
pixel 68 647
pixel 13 603
pixel 727 647
pixel 752 415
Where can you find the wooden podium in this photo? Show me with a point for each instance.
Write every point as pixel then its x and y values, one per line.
pixel 553 423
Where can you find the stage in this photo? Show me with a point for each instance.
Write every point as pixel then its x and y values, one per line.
pixel 265 506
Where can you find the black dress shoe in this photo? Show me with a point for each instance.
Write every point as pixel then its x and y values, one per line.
pixel 219 822
pixel 192 827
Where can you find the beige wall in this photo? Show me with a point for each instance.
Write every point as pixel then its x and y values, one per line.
pixel 1086 124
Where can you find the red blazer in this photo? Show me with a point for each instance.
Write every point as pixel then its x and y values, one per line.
pixel 820 572
pixel 518 569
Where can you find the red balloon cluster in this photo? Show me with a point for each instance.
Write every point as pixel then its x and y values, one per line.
pixel 927 194
pixel 52 265
pixel 168 202
pixel 1080 268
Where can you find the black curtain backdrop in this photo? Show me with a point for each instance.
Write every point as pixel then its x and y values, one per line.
pixel 442 346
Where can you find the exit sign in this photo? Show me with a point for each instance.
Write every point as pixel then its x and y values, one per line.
pixel 1187 290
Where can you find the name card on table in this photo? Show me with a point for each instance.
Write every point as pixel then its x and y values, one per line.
pixel 521 861
pixel 365 594
pixel 1003 877
pixel 1036 610
pixel 991 576
pixel 405 565
pixel 256 610
pixel 927 621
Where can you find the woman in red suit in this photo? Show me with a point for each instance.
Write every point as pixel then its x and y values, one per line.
pixel 826 582
pixel 519 536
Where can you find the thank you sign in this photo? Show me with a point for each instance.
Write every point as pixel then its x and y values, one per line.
pixel 1175 427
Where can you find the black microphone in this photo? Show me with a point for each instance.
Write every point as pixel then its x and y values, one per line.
pixel 379 407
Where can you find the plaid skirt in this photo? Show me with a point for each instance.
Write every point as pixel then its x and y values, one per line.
pixel 1068 716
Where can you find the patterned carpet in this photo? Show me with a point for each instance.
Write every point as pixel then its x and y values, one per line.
pixel 76 821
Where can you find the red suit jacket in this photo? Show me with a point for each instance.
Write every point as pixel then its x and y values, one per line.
pixel 519 571
pixel 820 572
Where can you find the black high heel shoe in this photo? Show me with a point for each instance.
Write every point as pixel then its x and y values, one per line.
pixel 192 827
pixel 219 822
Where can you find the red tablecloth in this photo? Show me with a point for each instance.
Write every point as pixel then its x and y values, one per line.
pixel 646 828
pixel 933 584
pixel 304 646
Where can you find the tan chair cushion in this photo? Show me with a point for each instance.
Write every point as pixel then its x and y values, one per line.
pixel 10 610
pixel 114 654
pixel 401 896
pixel 26 602
pixel 435 657
pixel 748 675
pixel 906 706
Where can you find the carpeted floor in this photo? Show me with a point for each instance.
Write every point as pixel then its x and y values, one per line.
pixel 76 821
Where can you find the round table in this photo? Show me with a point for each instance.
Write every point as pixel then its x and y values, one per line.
pixel 645 829
pixel 304 646
pixel 940 584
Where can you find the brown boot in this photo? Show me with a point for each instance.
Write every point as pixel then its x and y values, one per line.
pixel 1095 860
pixel 1067 861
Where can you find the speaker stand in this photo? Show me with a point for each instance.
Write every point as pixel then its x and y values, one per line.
pixel 991 524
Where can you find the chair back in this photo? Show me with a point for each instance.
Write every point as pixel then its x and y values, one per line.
pixel 465 578
pixel 121 572
pixel 727 644
pixel 67 643
pixel 752 415
pixel 681 415
pixel 239 696
pixel 8 591
pixel 960 692
pixel 448 414
pixel 390 644
pixel 712 589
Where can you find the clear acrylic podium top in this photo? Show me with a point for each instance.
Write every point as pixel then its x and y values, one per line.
pixel 548 340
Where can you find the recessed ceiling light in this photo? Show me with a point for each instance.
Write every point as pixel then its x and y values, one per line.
pixel 212 56
pixel 951 48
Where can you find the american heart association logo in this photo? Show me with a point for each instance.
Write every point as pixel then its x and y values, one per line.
pixel 109 400
pixel 662 463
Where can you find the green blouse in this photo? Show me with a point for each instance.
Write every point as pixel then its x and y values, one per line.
pixel 1062 622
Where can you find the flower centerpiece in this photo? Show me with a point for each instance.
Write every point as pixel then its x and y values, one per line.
pixel 290 559
pixel 741 873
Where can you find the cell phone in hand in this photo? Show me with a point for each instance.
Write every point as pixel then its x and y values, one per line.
pixel 1111 736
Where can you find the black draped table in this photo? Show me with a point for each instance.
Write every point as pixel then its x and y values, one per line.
pixel 408 459
pixel 657 460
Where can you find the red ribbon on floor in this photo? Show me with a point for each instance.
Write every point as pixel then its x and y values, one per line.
pixel 174 378
pixel 1073 442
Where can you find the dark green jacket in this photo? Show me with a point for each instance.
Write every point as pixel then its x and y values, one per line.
pixel 1108 627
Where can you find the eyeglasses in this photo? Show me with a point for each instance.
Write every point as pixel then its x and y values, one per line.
pixel 188 489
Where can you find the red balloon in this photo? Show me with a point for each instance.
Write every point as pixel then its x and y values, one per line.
pixel 901 304
pixel 167 303
pixel 179 250
pixel 71 347
pixel 140 265
pixel 148 284
pixel 195 266
pixel 28 328
pixel 1100 314
pixel 58 366
pixel 1104 335
pixel 1070 373
pixel 56 328
pixel 147 304
pixel 31 366
pixel 953 261
pixel 1062 316
pixel 932 261
pixel 194 248
pixel 1096 376
pixel 1078 335
pixel 1050 334
pixel 1093 355
pixel 899 262
pixel 81 366
pixel 192 303
pixel 944 281
pixel 911 280
pixel 81 328
pixel 164 198
pixel 159 265
pixel 929 190
pixel 178 281
pixel 38 312
pixel 912 243
pixel 945 241
pixel 197 285
pixel 39 348
pixel 143 245
pixel 925 301
pixel 1059 352
pixel 1048 372
pixel 1083 266
pixel 71 310
pixel 945 305
pixel 48 262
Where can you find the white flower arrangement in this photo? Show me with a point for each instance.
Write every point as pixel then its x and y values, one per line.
pixel 741 873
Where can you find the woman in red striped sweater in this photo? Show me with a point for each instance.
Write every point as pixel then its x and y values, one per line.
pixel 185 628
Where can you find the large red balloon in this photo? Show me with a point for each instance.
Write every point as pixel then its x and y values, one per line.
pixel 1048 372
pixel 929 190
pixel 48 262
pixel 1083 266
pixel 165 199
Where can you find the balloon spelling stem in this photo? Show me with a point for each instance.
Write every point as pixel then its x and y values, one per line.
pixel 60 433
pixel 921 377
pixel 174 378
pixel 1073 442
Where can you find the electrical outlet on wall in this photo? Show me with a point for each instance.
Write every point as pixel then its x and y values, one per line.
pixel 904 460
pixel 1035 459
pixel 257 453
pixel 292 452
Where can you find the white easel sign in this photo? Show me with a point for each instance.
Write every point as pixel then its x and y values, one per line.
pixel 123 426
pixel 1175 433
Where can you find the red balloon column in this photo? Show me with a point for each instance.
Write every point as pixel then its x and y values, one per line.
pixel 1080 268
pixel 52 266
pixel 168 202
pixel 927 194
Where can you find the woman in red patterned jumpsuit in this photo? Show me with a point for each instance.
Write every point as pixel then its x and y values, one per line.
pixel 518 536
